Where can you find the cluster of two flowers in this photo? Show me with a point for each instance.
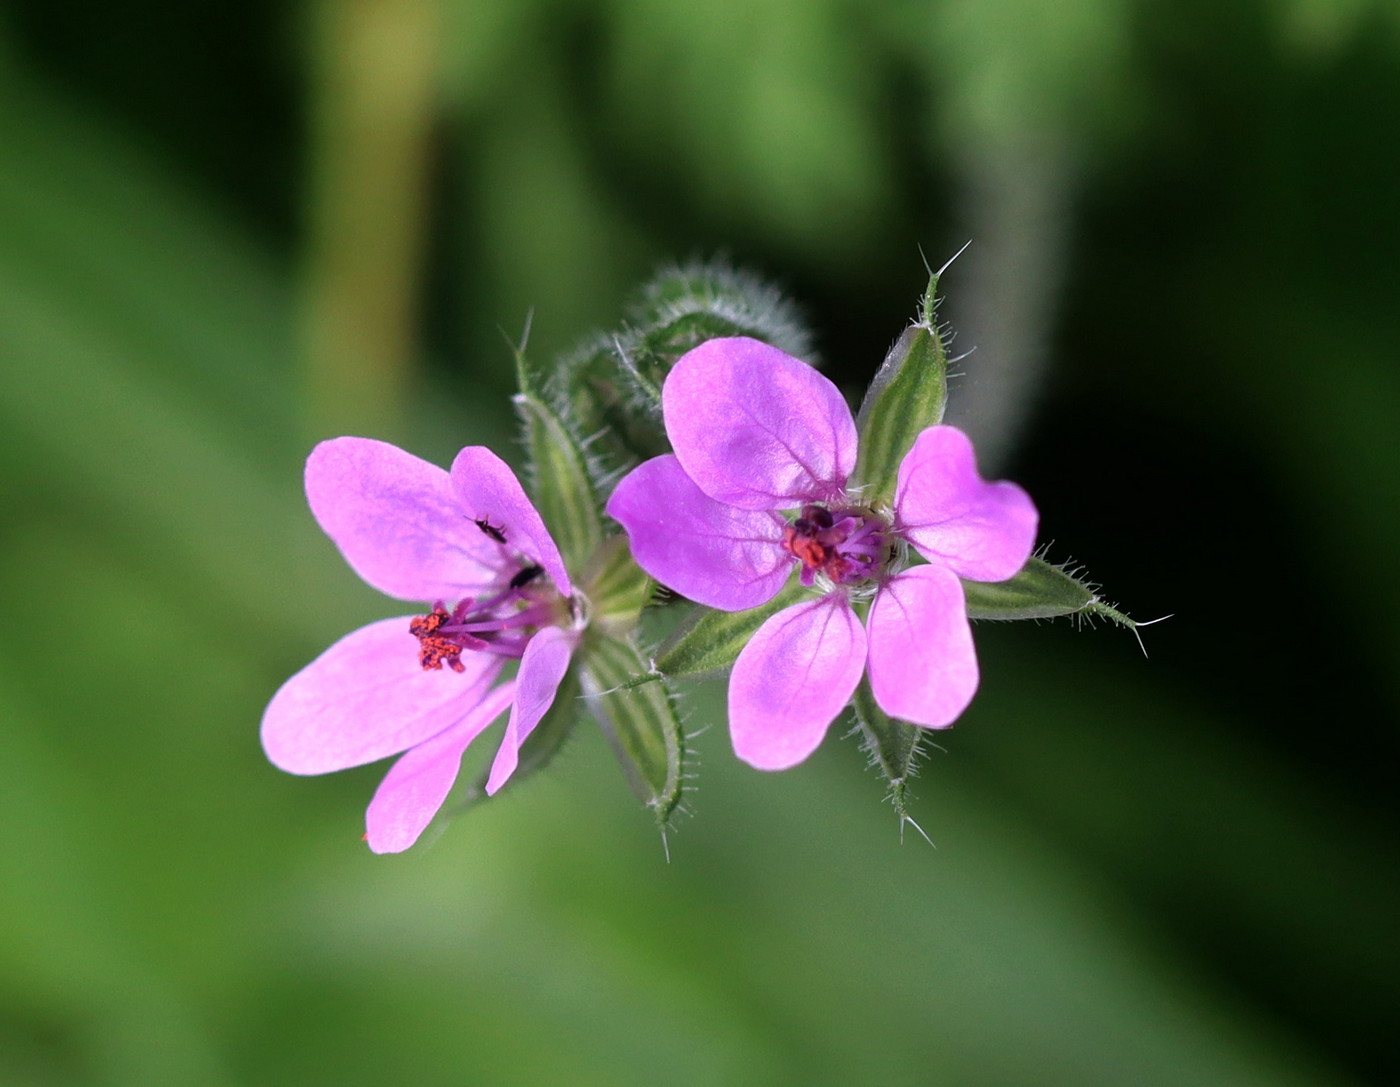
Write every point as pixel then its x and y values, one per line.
pixel 756 435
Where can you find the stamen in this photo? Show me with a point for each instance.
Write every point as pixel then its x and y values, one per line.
pixel 501 623
pixel 846 546
pixel 434 649
pixel 535 616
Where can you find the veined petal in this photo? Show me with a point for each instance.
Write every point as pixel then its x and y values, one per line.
pixel 397 521
pixel 489 491
pixel 923 668
pixel 367 697
pixel 979 530
pixel 416 785
pixel 757 428
pixel 542 669
pixel 792 679
pixel 714 553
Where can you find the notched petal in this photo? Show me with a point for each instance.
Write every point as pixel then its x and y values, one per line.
pixel 981 531
pixel 397 521
pixel 757 428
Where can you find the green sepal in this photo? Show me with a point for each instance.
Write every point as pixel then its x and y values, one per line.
pixel 563 489
pixel 684 306
pixel 906 397
pixel 609 389
pixel 708 641
pixel 617 588
pixel 1040 591
pixel 738 302
pixel 541 745
pixel 640 722
pixel 895 747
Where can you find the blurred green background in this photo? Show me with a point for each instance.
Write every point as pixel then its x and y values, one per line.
pixel 228 230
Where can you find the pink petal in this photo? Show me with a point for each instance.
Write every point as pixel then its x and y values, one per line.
pixel 922 665
pixel 716 554
pixel 792 679
pixel 490 493
pixel 367 697
pixel 757 428
pixel 981 531
pixel 542 669
pixel 397 521
pixel 415 787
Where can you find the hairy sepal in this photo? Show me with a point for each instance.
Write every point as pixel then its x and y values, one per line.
pixel 895 747
pixel 563 488
pixel 707 641
pixel 617 588
pixel 640 721
pixel 609 389
pixel 906 397
pixel 1043 591
pixel 1039 591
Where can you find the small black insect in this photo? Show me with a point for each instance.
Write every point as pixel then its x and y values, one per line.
pixel 525 576
pixel 497 534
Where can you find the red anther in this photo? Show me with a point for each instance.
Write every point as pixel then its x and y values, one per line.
pixel 807 549
pixel 434 649
pixel 834 545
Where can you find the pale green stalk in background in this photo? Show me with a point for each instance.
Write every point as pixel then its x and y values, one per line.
pixel 373 88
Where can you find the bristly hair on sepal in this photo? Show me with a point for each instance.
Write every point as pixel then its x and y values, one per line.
pixel 1046 590
pixel 607 391
pixel 896 749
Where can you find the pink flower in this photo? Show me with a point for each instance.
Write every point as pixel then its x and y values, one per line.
pixel 471 543
pixel 757 432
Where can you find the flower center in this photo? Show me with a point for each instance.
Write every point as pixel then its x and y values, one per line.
pixel 846 546
pixel 500 623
